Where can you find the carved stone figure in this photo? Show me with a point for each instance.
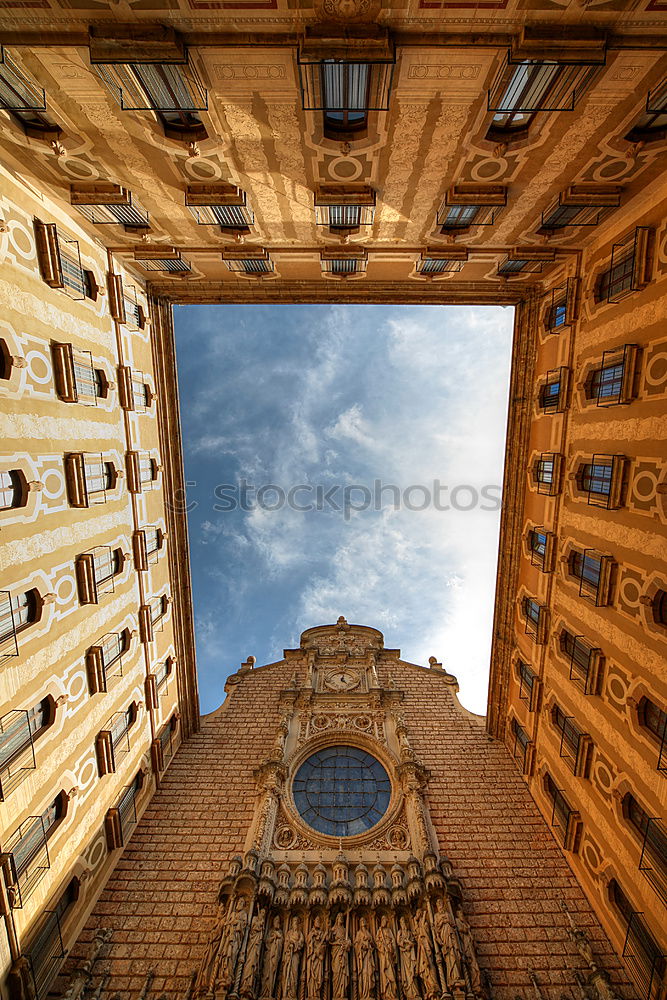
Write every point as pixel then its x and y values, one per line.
pixel 315 956
pixel 386 946
pixel 469 951
pixel 425 967
pixel 272 952
pixel 340 964
pixel 445 933
pixel 203 981
pixel 252 954
pixel 294 943
pixel 406 947
pixel 365 960
pixel 230 947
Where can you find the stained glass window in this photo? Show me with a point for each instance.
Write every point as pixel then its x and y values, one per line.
pixel 341 791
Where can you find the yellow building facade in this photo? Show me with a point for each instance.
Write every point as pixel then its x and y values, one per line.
pixel 270 152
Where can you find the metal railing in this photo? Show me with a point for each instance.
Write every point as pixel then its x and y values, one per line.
pixel 154 86
pixel 17 91
pixel 335 85
pixel 528 85
pixel 17 751
pixel 646 964
pixel 27 856
pixel 8 639
pixel 653 860
pixel 46 953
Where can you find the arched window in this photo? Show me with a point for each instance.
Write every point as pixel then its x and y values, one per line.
pixel 345 96
pixel 659 606
pixel 653 718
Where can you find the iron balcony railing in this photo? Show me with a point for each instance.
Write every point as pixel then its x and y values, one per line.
pixel 653 860
pixel 629 266
pixel 601 480
pixel 336 85
pixel 612 382
pixel 583 660
pixel 167 738
pixel 17 91
pixel 127 812
pixel 646 964
pixel 17 751
pixel 166 87
pixel 8 639
pixel 524 86
pixel 25 859
pixel 46 953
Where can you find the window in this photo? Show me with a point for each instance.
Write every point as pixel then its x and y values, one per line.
pixel 585 661
pixel 343 262
pixel 612 381
pixel 18 731
pixel 522 745
pixel 563 306
pixel 580 205
pixel 593 571
pixel 120 728
pixel 535 618
pixel 547 473
pixel 18 92
pixel 121 820
pixel 16 614
pixel 36 124
pixel 468 205
pixel 172 90
pixel 652 124
pixel 341 791
pixel 96 571
pixel 249 262
pixel 529 685
pixel 104 203
pixel 541 545
pixel 142 471
pixel 552 396
pixel 46 951
pixel 76 377
pixel 104 660
pixel 167 741
pixel 345 81
pixel 630 268
pixel 163 674
pixel 602 479
pixel 113 741
pixel 60 261
pixel 147 470
pixel 165 259
pixel 441 262
pixel 575 745
pixel 646 964
pixel 659 607
pixel 158 608
pixel 221 204
pixel 653 860
pixel 88 478
pixel 11 489
pixel 344 206
pixel 654 719
pixel 564 820
pixel 27 850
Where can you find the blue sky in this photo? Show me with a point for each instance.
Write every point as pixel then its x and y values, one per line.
pixel 364 408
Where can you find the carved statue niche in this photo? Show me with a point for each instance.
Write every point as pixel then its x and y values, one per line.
pixel 468 948
pixel 364 958
pixel 446 938
pixel 425 964
pixel 230 946
pixel 204 978
pixel 340 944
pixel 252 954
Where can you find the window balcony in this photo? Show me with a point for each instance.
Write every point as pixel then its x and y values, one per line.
pixel 530 686
pixel 344 207
pixel 121 819
pixel 104 660
pixel 535 618
pixel 133 390
pixel 162 258
pixel 25 860
pixel 223 205
pixel 152 617
pixel 142 471
pixel 17 91
pixel 603 480
pixel 60 262
pixel 565 821
pixel 595 573
pixel 523 748
pixel 547 473
pixel 46 953
pixel 586 662
pixel 436 261
pixel 76 378
pixel 17 750
pixel 113 742
pixel 553 393
pixel 164 746
pixel 576 747
pixel 96 571
pixel 542 548
pixel 525 260
pixel 469 205
pixel 147 544
pixel 103 203
pixel 580 205
pixel 612 381
pixel 630 269
pixel 343 263
pixel 563 307
pixel 646 963
pixel 88 478
pixel 343 75
pixel 652 124
pixel 146 68
pixel 253 262
pixel 542 73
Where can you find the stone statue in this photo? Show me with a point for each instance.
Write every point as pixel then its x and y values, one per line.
pixel 203 981
pixel 445 933
pixel 425 967
pixel 254 947
pixel 365 960
pixel 294 943
pixel 230 947
pixel 315 956
pixel 406 947
pixel 468 946
pixel 272 952
pixel 386 946
pixel 340 966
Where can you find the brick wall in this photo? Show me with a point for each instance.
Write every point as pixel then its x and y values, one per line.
pixel 161 898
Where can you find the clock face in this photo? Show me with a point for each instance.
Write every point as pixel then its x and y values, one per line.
pixel 342 680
